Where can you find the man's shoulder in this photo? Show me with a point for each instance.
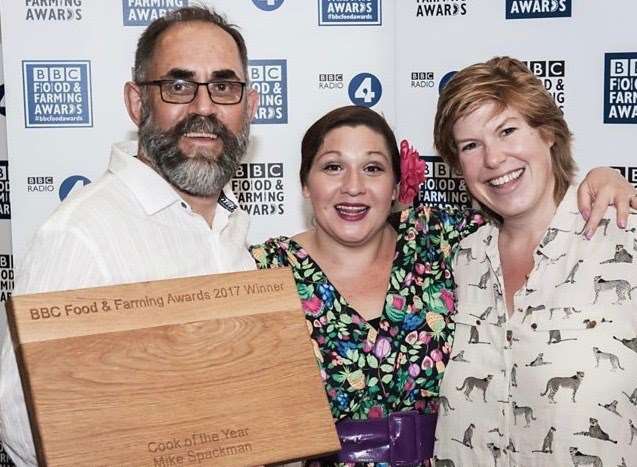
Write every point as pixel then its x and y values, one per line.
pixel 96 201
pixel 67 251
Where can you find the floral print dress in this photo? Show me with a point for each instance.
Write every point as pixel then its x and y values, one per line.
pixel 371 372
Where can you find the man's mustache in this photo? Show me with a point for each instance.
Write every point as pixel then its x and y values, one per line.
pixel 202 124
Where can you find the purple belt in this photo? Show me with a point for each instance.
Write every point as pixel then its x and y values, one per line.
pixel 402 438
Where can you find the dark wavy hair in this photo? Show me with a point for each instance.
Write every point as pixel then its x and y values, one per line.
pixel 351 116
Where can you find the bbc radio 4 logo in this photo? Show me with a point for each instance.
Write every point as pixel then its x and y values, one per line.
pixel 270 79
pixel 350 13
pixel 365 89
pixel 445 79
pixel 71 184
pixel 144 12
pixel 620 87
pixel 268 5
pixel 524 9
pixel 57 93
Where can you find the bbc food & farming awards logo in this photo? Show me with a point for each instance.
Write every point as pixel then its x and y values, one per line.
pixel 529 9
pixel 6 287
pixel 350 13
pixel 620 87
pixel 144 12
pixel 5 204
pixel 442 187
pixel 57 93
pixel 259 188
pixel 552 73
pixel 270 79
pixel 53 10
pixel 432 8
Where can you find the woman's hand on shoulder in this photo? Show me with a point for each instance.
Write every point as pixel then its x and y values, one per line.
pixel 601 188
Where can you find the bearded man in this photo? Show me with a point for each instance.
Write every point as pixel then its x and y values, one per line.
pixel 163 208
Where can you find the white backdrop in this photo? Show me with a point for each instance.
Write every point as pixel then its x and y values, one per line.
pixel 307 56
pixel 288 35
pixel 66 61
pixel 574 46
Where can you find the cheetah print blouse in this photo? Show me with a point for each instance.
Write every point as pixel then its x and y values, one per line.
pixel 556 383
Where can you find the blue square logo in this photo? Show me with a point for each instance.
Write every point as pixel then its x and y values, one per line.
pixel 142 13
pixel 620 87
pixel 529 9
pixel 270 79
pixel 57 93
pixel 348 13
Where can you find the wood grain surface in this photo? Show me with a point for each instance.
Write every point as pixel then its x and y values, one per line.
pixel 230 380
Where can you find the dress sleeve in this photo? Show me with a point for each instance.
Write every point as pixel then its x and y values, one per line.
pixel 270 254
pixel 457 223
pixel 438 231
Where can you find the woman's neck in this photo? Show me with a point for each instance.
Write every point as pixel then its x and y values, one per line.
pixel 325 249
pixel 359 272
pixel 528 229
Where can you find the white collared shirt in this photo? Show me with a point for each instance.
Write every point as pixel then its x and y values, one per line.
pixel 128 226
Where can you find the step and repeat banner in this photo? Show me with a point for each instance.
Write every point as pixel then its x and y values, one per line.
pixel 584 52
pixel 66 61
pixel 65 92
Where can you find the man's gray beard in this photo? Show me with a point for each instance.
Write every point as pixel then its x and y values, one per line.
pixel 199 174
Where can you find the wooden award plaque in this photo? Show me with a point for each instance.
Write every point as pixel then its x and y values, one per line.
pixel 208 370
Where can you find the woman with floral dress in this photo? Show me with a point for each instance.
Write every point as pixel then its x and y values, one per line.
pixel 376 289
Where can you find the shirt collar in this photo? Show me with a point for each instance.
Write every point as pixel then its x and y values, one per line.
pixel 567 213
pixel 153 192
pixel 567 218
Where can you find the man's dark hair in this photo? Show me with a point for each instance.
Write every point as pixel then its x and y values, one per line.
pixel 149 38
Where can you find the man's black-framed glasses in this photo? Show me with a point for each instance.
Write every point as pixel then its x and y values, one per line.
pixel 184 91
